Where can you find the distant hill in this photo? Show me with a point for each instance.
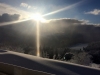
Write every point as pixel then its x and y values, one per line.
pixel 25 34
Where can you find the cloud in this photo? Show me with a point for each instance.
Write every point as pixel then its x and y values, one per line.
pixel 8 18
pixel 5 8
pixel 25 5
pixel 60 25
pixel 65 22
pixel 94 12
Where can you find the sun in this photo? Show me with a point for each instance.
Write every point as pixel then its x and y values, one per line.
pixel 38 17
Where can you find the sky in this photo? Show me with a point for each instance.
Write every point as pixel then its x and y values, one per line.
pixel 88 10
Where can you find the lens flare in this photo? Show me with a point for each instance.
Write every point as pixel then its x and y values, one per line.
pixel 38 38
pixel 39 16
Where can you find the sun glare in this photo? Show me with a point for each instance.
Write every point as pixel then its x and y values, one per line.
pixel 38 17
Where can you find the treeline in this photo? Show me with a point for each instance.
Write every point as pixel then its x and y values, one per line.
pixel 63 54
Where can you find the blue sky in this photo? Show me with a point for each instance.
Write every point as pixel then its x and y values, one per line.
pixel 82 10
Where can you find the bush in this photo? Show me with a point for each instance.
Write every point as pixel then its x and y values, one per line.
pixel 82 58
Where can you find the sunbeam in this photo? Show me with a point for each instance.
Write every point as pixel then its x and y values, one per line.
pixel 65 8
pixel 14 22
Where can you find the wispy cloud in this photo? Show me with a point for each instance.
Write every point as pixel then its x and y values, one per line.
pixel 94 12
pixel 25 5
